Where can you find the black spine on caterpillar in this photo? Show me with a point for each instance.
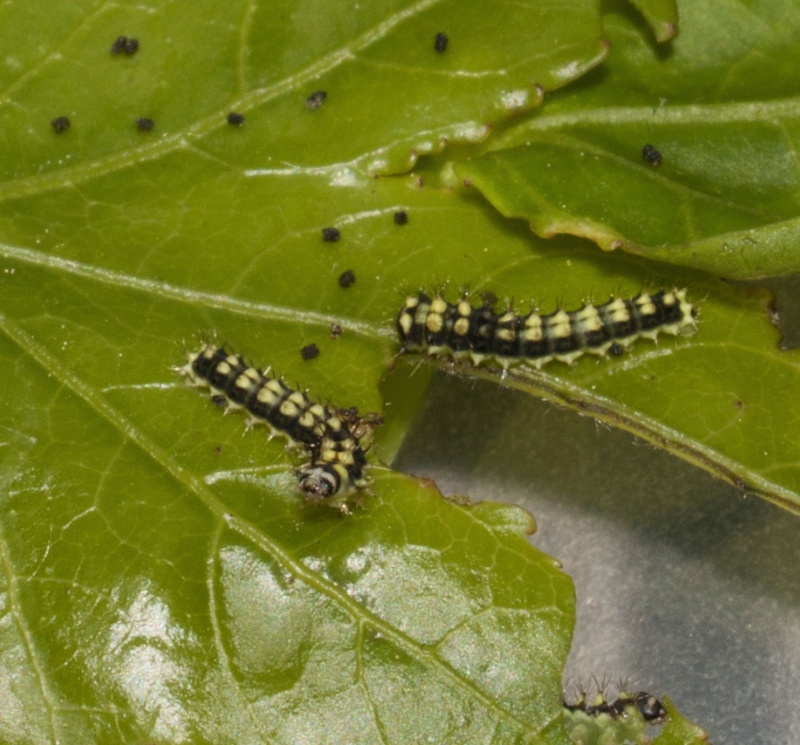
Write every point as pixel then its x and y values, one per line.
pixel 433 325
pixel 332 437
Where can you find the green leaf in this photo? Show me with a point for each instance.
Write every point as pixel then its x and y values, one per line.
pixel 162 580
pixel 147 541
pixel 178 607
pixel 724 197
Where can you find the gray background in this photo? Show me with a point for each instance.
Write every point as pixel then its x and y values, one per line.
pixel 684 585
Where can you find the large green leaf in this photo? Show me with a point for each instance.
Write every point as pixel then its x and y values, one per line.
pixel 725 197
pixel 149 544
pixel 162 580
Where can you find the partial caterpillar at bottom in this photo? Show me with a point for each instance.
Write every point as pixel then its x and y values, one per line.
pixel 433 325
pixel 332 437
pixel 623 720
pixel 644 704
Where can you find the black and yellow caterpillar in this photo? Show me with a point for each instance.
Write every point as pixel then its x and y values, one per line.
pixel 461 330
pixel 332 437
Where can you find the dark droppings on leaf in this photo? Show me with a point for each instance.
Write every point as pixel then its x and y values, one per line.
pixel 651 155
pixel 440 42
pixel 336 331
pixel 331 235
pixel 144 124
pixel 309 352
pixel 125 45
pixel 400 218
pixel 347 278
pixel 60 124
pixel 235 119
pixel 316 99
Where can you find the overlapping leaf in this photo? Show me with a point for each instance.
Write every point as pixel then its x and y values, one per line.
pixel 725 196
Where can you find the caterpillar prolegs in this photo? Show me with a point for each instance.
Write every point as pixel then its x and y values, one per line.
pixel 332 437
pixel 438 327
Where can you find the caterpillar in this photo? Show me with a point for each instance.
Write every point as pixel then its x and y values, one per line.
pixel 433 325
pixel 332 437
pixel 603 722
pixel 645 704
